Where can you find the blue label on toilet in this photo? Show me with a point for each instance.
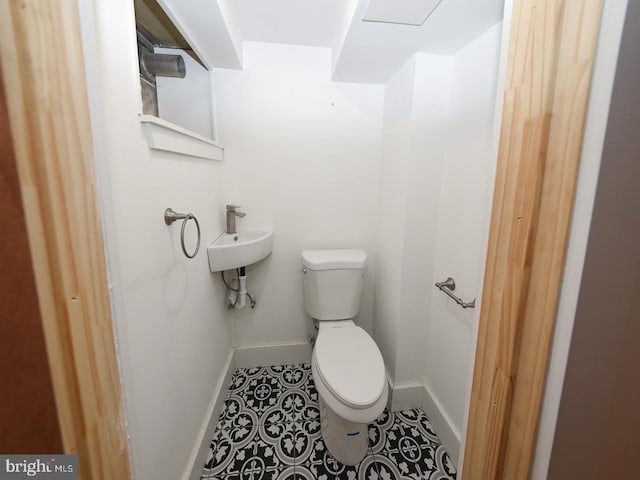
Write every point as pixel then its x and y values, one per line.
pixel 352 434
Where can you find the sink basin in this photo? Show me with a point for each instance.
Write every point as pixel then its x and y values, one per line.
pixel 235 250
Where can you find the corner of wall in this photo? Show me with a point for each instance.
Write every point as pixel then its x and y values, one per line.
pixel 197 459
pixel 417 395
pixel 442 423
pixel 347 17
pixel 392 198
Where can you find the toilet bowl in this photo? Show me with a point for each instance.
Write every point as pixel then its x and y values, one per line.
pixel 347 367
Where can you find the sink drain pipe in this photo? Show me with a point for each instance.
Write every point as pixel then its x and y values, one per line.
pixel 242 289
pixel 238 296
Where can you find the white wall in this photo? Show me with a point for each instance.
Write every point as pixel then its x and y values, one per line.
pixel 193 91
pixel 429 127
pixel 435 191
pixel 415 117
pixel 302 156
pixel 463 221
pixel 173 335
pixel 396 145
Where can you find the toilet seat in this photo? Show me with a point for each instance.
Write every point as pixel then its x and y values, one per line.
pixel 349 372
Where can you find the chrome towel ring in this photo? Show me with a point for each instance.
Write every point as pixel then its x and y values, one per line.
pixel 171 216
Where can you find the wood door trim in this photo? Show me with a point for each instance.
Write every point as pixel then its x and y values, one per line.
pixel 44 75
pixel 551 51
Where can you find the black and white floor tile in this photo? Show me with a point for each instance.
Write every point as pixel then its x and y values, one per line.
pixel 269 429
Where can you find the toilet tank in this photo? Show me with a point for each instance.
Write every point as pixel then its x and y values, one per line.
pixel 332 282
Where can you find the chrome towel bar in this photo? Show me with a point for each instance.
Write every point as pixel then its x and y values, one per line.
pixel 171 216
pixel 448 286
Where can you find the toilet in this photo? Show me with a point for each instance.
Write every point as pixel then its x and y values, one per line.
pixel 347 367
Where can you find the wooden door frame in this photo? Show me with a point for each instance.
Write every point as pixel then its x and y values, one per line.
pixel 550 58
pixel 551 52
pixel 44 76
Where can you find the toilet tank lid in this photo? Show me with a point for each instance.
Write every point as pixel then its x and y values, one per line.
pixel 334 259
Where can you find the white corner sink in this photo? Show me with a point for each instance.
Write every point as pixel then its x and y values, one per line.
pixel 235 250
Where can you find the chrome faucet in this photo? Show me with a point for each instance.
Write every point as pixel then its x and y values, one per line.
pixel 231 217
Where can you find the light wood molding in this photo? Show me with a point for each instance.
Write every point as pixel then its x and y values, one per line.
pixel 549 72
pixel 44 75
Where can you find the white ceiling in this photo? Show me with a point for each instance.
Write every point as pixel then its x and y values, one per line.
pixel 299 22
pixel 366 51
pixel 408 12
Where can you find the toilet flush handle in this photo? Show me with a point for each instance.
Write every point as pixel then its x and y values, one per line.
pixel 304 270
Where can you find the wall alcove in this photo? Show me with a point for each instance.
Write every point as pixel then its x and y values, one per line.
pixel 167 90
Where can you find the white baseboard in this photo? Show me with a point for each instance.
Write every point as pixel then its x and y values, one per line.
pixel 390 383
pixel 201 447
pixel 441 422
pixel 416 395
pixel 269 355
pixel 405 397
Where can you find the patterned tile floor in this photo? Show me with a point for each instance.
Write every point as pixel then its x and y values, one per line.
pixel 270 429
